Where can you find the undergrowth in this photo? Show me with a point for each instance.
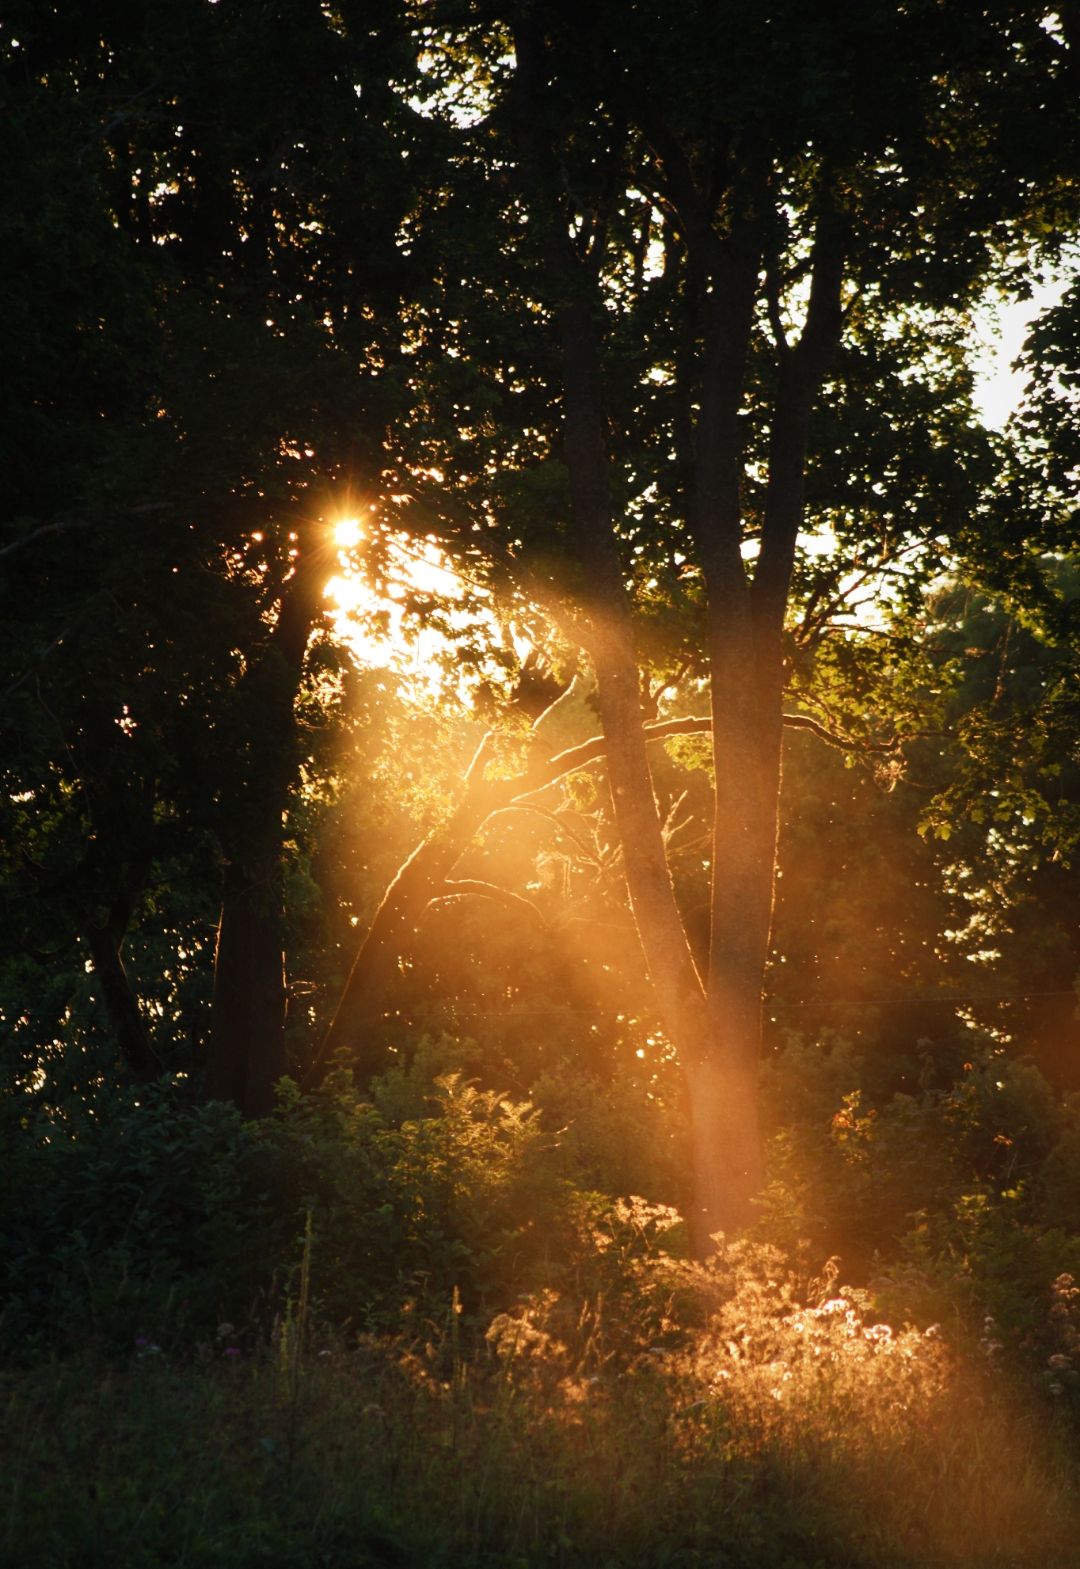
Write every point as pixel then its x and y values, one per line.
pixel 733 1417
pixel 400 1331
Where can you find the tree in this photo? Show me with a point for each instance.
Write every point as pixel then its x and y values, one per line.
pixel 242 184
pixel 722 239
pixel 622 312
pixel 1005 810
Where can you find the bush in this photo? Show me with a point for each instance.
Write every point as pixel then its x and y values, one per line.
pixel 141 1213
pixel 158 1217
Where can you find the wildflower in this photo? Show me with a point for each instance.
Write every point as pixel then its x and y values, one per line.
pixel 1059 1362
pixel 833 1306
pixel 232 1351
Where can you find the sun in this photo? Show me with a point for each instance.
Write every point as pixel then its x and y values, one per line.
pixel 348 533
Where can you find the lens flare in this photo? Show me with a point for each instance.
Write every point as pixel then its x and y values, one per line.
pixel 347 533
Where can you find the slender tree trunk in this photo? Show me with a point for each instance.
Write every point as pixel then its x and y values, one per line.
pixel 725 1135
pixel 745 619
pixel 105 944
pixel 716 1030
pixel 713 1018
pixel 745 808
pixel 420 879
pixel 712 1029
pixel 246 1054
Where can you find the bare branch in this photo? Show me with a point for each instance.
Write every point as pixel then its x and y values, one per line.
pixel 480 757
pixel 592 750
pixel 652 695
pixel 39 533
pixel 671 827
pixel 473 888
pixel 551 817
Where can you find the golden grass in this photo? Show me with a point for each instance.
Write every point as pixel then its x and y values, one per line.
pixel 758 1428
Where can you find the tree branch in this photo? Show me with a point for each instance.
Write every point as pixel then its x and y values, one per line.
pixel 39 533
pixel 471 887
pixel 554 818
pixel 831 738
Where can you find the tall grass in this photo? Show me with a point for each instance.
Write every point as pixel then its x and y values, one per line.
pixel 729 1419
pixel 542 1380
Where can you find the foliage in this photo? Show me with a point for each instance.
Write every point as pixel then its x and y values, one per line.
pixel 160 1216
pixel 267 265
pixel 777 1428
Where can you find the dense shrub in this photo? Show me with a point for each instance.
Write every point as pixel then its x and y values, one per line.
pixel 144 1211
pixel 954 1204
pixel 159 1217
pixel 413 1318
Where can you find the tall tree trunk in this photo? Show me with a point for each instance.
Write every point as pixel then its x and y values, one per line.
pixel 713 1018
pixel 715 1028
pixel 725 1131
pixel 712 1027
pixel 746 723
pixel 247 1054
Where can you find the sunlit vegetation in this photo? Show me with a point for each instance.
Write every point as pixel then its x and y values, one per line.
pixel 441 1347
pixel 539 787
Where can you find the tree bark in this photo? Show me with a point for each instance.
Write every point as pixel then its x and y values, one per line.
pixel 713 1018
pixel 105 944
pixel 725 1136
pixel 247 1053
